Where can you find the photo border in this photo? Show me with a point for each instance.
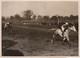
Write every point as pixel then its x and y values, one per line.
pixel 39 56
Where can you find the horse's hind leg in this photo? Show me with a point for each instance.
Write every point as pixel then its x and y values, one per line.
pixel 52 38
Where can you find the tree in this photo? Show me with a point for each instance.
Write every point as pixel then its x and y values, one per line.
pixel 11 17
pixel 28 14
pixel 17 16
pixel 3 18
pixel 39 17
pixel 33 17
pixel 53 18
pixel 76 17
pixel 46 17
pixel 71 17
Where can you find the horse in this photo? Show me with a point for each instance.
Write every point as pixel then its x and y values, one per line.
pixel 7 26
pixel 64 35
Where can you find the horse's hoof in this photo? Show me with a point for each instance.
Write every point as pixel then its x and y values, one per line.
pixel 69 45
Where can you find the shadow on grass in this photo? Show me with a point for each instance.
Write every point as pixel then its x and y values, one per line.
pixel 10 52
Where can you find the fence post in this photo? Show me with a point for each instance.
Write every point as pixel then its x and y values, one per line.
pixel 58 19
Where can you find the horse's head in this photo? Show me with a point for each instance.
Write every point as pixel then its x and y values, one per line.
pixel 72 28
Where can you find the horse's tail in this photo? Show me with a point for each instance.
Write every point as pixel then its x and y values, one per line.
pixel 52 29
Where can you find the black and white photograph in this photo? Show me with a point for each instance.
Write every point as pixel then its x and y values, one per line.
pixel 39 28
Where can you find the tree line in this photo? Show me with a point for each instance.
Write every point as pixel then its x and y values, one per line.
pixel 29 15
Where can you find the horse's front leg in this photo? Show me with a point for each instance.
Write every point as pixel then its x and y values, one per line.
pixel 67 37
pixel 52 38
pixel 64 38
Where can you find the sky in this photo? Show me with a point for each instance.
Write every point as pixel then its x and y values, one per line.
pixel 62 8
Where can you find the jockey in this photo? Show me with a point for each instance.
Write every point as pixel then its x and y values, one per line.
pixel 63 27
pixel 6 24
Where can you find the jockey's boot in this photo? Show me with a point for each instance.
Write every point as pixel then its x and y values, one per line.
pixel 63 33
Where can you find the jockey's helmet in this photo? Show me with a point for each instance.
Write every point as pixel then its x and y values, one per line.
pixel 66 23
